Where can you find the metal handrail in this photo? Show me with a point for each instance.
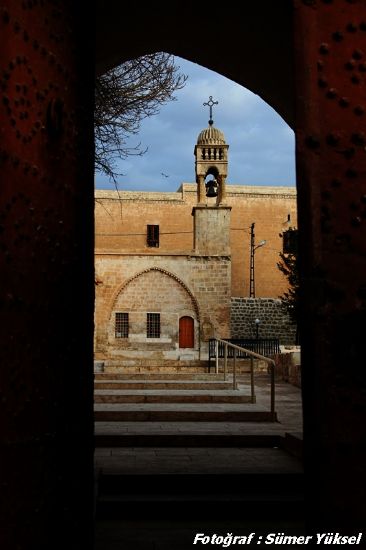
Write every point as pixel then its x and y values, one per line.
pixel 264 346
pixel 252 355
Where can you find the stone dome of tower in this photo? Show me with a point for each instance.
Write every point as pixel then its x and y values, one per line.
pixel 211 136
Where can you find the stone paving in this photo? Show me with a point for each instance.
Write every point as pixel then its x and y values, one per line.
pixel 289 410
pixel 160 533
pixel 196 460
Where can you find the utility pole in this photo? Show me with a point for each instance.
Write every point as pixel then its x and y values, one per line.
pixel 251 275
pixel 253 248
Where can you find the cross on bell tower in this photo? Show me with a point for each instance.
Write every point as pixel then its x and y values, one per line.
pixel 210 103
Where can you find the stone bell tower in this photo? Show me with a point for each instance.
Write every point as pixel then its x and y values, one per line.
pixel 211 159
pixel 211 221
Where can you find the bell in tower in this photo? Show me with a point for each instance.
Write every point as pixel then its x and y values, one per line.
pixel 211 188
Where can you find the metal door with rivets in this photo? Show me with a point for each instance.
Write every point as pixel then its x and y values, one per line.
pixel 330 61
pixel 46 266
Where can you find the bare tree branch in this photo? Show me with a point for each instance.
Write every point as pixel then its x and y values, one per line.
pixel 124 97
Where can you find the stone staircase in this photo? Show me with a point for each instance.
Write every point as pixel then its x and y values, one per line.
pixel 173 397
pixel 186 453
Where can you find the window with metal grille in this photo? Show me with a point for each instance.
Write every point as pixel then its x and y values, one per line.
pixel 290 239
pixel 121 325
pixel 153 235
pixel 153 325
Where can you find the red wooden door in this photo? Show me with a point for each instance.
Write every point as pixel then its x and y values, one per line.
pixel 186 332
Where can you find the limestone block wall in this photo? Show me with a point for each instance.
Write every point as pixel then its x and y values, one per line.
pixel 212 229
pixel 172 285
pixel 274 321
pixel 288 367
pixel 270 209
pixel 121 219
pixel 211 284
pixel 155 292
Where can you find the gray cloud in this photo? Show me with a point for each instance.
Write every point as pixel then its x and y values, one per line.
pixel 261 144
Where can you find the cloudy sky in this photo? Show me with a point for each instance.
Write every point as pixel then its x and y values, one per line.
pixel 261 144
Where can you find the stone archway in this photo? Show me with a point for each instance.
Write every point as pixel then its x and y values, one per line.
pixel 306 59
pixel 153 291
pixel 48 189
pixel 254 49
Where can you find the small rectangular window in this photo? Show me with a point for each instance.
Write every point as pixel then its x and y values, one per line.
pixel 153 325
pixel 290 239
pixel 121 325
pixel 153 236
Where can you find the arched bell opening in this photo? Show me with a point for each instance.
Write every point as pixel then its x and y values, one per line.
pixel 212 185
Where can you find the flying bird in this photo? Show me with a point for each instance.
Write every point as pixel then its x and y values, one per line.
pixel 165 175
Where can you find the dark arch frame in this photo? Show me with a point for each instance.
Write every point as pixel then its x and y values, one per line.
pixel 52 192
pixel 265 63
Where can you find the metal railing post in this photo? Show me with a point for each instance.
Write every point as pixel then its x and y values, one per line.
pixel 217 356
pixel 234 372
pixel 225 361
pixel 252 355
pixel 252 379
pixel 273 414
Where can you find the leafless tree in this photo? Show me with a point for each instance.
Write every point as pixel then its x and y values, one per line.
pixel 289 266
pixel 124 96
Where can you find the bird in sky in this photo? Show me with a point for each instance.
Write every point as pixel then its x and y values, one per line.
pixel 165 175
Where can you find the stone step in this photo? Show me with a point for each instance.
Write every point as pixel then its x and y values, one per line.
pixel 171 396
pixel 274 495
pixel 249 481
pixel 161 385
pixel 202 440
pixel 155 366
pixel 293 443
pixel 183 412
pixel 159 376
pixel 210 509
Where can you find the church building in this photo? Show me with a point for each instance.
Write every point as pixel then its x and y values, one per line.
pixel 174 269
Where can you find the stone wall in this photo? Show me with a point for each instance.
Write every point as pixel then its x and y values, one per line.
pixel 288 367
pixel 186 276
pixel 212 230
pixel 174 286
pixel 152 291
pixel 121 219
pixel 274 321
